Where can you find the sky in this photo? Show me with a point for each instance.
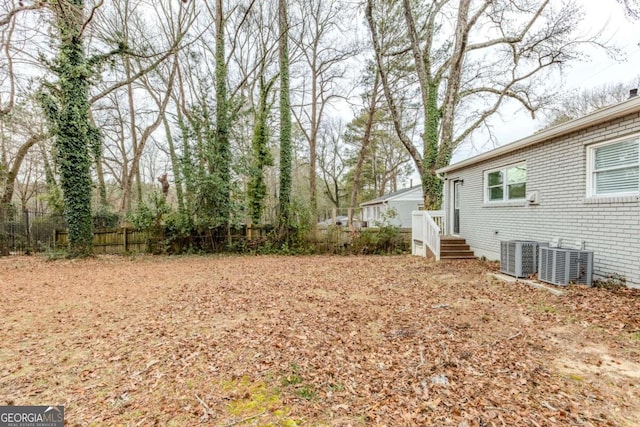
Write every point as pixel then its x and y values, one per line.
pixel 599 70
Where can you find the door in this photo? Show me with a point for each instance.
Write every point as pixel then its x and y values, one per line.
pixel 456 207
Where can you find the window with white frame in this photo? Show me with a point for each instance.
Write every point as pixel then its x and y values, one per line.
pixel 614 168
pixel 506 184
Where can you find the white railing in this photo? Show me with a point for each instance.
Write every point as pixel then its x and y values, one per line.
pixel 425 233
pixel 438 218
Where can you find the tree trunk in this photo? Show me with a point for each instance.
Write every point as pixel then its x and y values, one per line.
pixel 223 148
pixel 68 110
pixel 261 156
pixel 127 184
pixel 175 165
pixel 284 201
pixel 15 168
pixel 97 158
pixel 366 142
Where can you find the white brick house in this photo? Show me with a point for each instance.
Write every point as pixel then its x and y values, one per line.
pixel 578 181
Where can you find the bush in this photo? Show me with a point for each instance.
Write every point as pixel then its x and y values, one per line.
pixel 378 241
pixel 103 218
pixel 385 239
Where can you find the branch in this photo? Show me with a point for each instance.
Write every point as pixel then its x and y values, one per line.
pixel 12 83
pixel 9 16
pixel 91 15
pixel 133 77
pixel 413 151
pixel 175 47
pixel 511 40
pixel 234 44
pixel 15 168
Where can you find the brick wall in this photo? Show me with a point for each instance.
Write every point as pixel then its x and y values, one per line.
pixel 556 169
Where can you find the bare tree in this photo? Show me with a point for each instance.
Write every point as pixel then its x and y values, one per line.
pixel 580 103
pixel 319 37
pixel 332 162
pixel 141 75
pixel 469 59
pixel 631 7
pixel 365 141
pixel 20 131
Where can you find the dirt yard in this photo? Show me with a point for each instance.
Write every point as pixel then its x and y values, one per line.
pixel 312 341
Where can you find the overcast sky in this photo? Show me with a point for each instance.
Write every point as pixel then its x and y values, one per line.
pixel 599 70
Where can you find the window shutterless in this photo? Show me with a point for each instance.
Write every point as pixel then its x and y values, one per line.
pixel 614 168
pixel 506 184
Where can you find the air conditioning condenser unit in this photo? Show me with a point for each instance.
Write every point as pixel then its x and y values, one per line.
pixel 563 266
pixel 519 257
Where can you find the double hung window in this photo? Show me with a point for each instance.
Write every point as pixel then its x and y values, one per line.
pixel 506 184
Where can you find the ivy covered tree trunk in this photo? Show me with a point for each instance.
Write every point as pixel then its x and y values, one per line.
pixel 223 147
pixel 431 184
pixel 67 107
pixel 260 156
pixel 284 199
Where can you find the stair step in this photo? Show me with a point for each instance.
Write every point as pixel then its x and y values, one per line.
pixel 456 253
pixel 456 247
pixel 457 256
pixel 452 247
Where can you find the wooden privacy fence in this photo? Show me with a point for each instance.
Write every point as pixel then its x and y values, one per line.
pixel 113 241
pixel 332 239
pixel 124 240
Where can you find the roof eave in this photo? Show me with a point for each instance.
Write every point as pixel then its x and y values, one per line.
pixel 385 199
pixel 608 113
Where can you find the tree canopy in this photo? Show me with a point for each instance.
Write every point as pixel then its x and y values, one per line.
pixel 196 116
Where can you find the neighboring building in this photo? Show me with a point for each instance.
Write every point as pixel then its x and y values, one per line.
pixel 578 181
pixel 402 202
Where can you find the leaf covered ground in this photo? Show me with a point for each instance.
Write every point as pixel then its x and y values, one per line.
pixel 312 341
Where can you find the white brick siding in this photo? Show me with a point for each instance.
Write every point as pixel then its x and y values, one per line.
pixel 556 169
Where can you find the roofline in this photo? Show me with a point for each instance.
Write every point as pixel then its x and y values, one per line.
pixel 382 199
pixel 604 114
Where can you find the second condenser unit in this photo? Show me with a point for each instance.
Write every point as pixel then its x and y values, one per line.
pixel 519 258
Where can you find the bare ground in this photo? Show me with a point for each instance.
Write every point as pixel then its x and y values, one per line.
pixel 319 340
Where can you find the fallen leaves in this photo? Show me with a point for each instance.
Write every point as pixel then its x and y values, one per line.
pixel 313 340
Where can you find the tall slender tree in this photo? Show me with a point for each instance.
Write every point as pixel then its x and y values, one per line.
pixel 222 149
pixel 319 38
pixel 260 155
pixel 284 200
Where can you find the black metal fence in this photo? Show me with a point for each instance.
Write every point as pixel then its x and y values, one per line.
pixel 24 232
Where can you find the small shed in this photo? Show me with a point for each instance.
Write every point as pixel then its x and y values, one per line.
pixel 401 203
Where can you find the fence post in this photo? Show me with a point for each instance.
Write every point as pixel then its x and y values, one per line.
pixel 27 229
pixel 126 239
pixel 4 250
